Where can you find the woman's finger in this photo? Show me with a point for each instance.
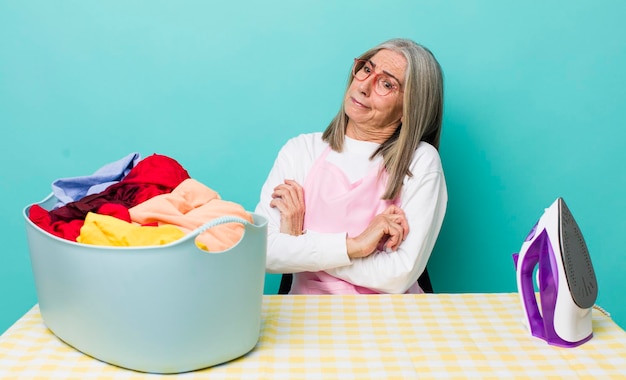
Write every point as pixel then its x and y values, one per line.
pixel 394 210
pixel 289 200
pixel 279 204
pixel 398 216
pixel 291 190
pixel 295 192
pixel 395 234
pixel 405 226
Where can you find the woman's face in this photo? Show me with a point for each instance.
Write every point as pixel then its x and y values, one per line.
pixel 370 115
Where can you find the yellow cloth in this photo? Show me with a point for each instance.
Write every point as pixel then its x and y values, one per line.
pixel 110 231
pixel 190 205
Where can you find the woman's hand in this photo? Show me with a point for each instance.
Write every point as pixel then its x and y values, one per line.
pixel 288 198
pixel 387 229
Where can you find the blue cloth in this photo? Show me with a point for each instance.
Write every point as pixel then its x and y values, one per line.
pixel 75 188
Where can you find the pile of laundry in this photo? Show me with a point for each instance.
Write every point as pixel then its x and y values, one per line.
pixel 139 202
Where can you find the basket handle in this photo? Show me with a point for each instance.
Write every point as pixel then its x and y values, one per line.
pixel 216 222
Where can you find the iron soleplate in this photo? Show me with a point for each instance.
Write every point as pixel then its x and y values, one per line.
pixel 581 278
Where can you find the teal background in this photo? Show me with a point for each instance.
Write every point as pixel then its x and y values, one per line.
pixel 534 109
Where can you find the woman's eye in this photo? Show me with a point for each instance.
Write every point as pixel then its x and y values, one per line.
pixel 367 69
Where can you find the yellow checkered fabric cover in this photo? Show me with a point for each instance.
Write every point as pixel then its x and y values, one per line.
pixel 429 336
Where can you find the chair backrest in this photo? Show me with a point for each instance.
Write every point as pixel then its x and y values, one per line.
pixel 423 281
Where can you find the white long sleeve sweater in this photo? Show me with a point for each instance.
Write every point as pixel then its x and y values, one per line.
pixel 423 199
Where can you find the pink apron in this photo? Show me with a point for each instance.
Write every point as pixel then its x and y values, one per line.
pixel 339 206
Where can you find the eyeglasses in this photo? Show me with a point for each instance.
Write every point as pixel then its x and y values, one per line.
pixel 384 84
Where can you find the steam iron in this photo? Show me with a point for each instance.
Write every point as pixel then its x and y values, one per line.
pixel 567 282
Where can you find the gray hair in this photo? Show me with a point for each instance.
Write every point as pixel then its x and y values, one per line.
pixel 422 112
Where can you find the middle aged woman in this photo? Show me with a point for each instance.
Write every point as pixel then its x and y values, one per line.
pixel 358 208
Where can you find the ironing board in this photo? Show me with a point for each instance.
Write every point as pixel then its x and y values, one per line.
pixel 359 337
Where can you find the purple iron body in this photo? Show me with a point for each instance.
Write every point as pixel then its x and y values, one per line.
pixel 567 283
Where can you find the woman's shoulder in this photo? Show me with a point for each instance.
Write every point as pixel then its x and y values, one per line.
pixel 311 143
pixel 426 158
pixel 307 138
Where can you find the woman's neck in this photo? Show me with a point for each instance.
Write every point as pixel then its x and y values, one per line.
pixel 377 135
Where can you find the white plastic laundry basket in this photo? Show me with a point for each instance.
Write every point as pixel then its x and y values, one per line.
pixel 165 309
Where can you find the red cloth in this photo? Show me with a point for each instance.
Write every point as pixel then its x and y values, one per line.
pixel 154 175
pixel 118 211
pixel 71 230
pixel 66 230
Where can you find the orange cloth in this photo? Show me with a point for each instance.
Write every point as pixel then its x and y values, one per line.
pixel 190 205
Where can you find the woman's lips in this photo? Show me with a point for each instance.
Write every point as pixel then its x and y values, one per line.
pixel 357 103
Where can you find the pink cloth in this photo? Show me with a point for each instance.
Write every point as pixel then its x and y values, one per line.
pixel 336 205
pixel 190 205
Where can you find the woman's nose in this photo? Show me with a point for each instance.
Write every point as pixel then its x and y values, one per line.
pixel 365 86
